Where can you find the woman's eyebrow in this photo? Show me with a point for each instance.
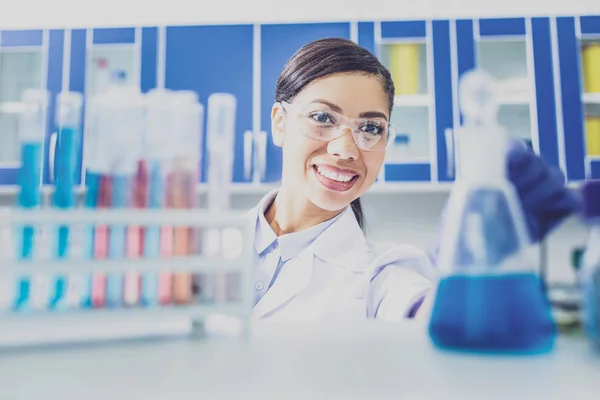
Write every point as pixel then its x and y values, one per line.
pixel 338 109
pixel 334 107
pixel 373 114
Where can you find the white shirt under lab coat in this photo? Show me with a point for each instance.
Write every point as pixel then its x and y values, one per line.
pixel 340 275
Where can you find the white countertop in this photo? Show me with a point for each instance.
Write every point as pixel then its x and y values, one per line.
pixel 373 360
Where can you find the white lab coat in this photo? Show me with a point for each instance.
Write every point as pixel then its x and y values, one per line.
pixel 341 276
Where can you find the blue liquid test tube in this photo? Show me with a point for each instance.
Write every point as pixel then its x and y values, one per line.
pixel 32 130
pixel 68 119
pixel 156 151
pixel 156 200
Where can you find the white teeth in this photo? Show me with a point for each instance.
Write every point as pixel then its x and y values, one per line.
pixel 333 176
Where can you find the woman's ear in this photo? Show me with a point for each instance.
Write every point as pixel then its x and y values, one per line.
pixel 277 119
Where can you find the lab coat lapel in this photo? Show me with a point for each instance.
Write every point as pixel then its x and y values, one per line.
pixel 343 244
pixel 294 278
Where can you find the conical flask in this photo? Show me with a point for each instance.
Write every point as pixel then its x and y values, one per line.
pixel 490 297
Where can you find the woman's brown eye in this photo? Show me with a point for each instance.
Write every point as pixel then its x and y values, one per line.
pixel 321 117
pixel 372 128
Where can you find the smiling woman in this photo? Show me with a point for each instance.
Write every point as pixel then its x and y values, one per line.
pixel 331 117
pixel 335 87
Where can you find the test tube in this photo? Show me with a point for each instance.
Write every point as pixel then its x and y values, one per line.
pixel 156 287
pixel 99 189
pixel 127 117
pixel 220 143
pixel 68 119
pixel 186 129
pixel 32 132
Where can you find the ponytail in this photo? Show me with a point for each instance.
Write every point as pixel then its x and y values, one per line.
pixel 358 213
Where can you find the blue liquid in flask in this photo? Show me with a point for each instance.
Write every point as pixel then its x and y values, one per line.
pixel 498 308
pixel 495 313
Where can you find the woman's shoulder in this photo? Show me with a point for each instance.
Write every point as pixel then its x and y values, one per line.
pixel 407 257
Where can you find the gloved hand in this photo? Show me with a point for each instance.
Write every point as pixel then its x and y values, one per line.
pixel 545 199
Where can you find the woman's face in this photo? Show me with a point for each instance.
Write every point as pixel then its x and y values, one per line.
pixel 331 174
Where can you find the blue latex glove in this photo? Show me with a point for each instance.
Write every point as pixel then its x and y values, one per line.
pixel 545 199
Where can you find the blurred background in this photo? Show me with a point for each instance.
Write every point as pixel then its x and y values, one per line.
pixel 545 55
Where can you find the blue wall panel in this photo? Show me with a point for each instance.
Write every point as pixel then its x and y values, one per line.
pixel 114 35
pixel 502 27
pixel 366 35
pixel 211 59
pixel 590 25
pixel 54 86
pixel 21 38
pixel 572 110
pixel 149 58
pixel 544 88
pixel 444 113
pixel 78 68
pixel 465 47
pixel 403 29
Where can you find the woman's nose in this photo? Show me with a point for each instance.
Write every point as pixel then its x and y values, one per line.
pixel 344 146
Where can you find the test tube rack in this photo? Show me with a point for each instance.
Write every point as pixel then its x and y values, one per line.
pixel 43 327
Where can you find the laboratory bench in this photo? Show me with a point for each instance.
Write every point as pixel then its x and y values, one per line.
pixel 370 360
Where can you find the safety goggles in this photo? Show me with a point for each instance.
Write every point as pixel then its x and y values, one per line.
pixel 320 123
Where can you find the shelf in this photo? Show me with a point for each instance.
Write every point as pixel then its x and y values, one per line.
pixel 591 98
pixel 378 188
pixel 250 189
pixel 417 100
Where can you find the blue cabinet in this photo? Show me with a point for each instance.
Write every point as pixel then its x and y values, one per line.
pixel 278 44
pixel 28 59
pixel 210 59
pixel 517 52
pixel 537 60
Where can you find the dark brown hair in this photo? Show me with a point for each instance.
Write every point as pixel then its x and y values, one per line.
pixel 325 57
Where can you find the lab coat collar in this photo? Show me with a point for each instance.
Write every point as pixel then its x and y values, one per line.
pixel 343 243
pixel 264 237
pixel 291 244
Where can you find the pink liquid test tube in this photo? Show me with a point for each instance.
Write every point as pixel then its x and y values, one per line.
pixel 101 244
pixel 135 237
